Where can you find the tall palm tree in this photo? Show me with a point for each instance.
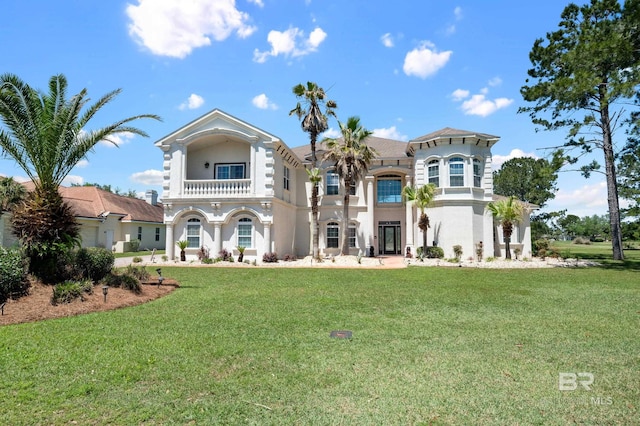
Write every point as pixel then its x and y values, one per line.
pixel 508 212
pixel 313 121
pixel 421 197
pixel 11 193
pixel 44 133
pixel 352 157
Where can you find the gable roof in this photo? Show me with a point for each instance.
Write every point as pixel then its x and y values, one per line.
pixel 91 202
pixel 449 132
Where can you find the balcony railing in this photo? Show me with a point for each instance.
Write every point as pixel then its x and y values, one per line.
pixel 217 187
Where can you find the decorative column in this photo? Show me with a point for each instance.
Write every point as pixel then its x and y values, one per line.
pixel 267 237
pixel 217 238
pixel 408 211
pixel 169 243
pixel 253 175
pixel 369 232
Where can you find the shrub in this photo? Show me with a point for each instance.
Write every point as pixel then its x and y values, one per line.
pixel 457 252
pixel 94 263
pixel 434 252
pixel 203 254
pixel 112 279
pixel 479 251
pixel 13 274
pixel 165 258
pixel 207 261
pixel 139 273
pixel 541 247
pixel 225 255
pixel 137 259
pixel 130 282
pixel 68 291
pixel 289 258
pixel 270 258
pixel 134 245
pixel 581 240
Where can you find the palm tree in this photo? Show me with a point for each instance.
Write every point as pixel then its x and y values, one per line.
pixel 44 133
pixel 314 122
pixel 352 157
pixel 421 197
pixel 11 193
pixel 508 212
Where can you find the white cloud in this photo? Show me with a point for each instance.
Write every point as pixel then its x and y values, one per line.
pixel 72 180
pixel 457 12
pixel 193 102
pixel 331 134
pixel 425 60
pixel 82 164
pixel 390 133
pixel 497 160
pixel 460 94
pixel 451 29
pixel 170 28
pixel 291 42
pixel 118 139
pixel 585 200
pixel 387 40
pixel 479 104
pixel 148 177
pixel 262 101
pixel 258 3
pixel 495 81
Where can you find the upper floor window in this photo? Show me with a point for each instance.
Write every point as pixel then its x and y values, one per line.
pixel 433 172
pixel 285 173
pixel 157 234
pixel 245 232
pixel 333 183
pixel 193 233
pixel 456 172
pixel 352 235
pixel 477 173
pixel 230 171
pixel 332 235
pixel 389 189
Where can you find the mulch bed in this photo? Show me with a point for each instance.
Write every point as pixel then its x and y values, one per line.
pixel 37 305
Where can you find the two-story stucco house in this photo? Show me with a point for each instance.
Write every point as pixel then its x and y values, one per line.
pixel 228 183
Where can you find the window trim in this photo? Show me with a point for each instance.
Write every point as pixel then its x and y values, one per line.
pixel 329 235
pixel 218 166
pixel 332 173
pixel 435 179
pixel 457 160
pixel 243 222
pixel 157 234
pixel 477 178
pixel 140 233
pixel 191 223
pixel 354 227
pixel 397 198
pixel 286 177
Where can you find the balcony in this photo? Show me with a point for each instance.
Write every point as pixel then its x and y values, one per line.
pixel 217 188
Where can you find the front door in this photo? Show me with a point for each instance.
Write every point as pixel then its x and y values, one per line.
pixel 390 240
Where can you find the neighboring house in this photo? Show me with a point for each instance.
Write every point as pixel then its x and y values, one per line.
pixel 228 183
pixel 108 220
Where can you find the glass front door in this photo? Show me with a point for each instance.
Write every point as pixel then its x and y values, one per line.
pixel 389 238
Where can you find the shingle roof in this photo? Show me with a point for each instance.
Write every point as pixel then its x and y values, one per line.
pixel 386 148
pixel 449 132
pixel 89 201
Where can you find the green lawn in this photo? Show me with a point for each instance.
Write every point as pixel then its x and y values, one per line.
pixel 252 346
pixel 603 253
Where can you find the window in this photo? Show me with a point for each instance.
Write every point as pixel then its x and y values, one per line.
pixel 477 173
pixel 456 172
pixel 245 231
pixel 286 177
pixel 193 233
pixel 333 183
pixel 352 235
pixel 230 171
pixel 157 234
pixel 389 189
pixel 433 172
pixel 139 233
pixel 352 189
pixel 332 235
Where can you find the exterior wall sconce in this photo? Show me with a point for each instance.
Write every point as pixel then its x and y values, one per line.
pixel 206 165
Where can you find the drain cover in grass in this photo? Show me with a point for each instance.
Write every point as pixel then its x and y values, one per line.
pixel 341 334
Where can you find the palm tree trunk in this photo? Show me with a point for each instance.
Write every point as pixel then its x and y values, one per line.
pixel 314 201
pixel 424 243
pixel 507 245
pixel 344 250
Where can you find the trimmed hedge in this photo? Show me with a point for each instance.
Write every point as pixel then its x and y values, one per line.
pixel 94 263
pixel 13 274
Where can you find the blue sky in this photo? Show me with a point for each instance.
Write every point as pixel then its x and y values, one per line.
pixel 406 68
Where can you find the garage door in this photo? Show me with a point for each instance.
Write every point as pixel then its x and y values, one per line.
pixel 89 235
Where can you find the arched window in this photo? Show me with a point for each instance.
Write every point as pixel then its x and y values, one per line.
pixel 245 232
pixel 193 233
pixel 433 172
pixel 456 172
pixel 477 173
pixel 333 232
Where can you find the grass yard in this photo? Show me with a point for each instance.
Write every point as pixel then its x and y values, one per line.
pixel 252 346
